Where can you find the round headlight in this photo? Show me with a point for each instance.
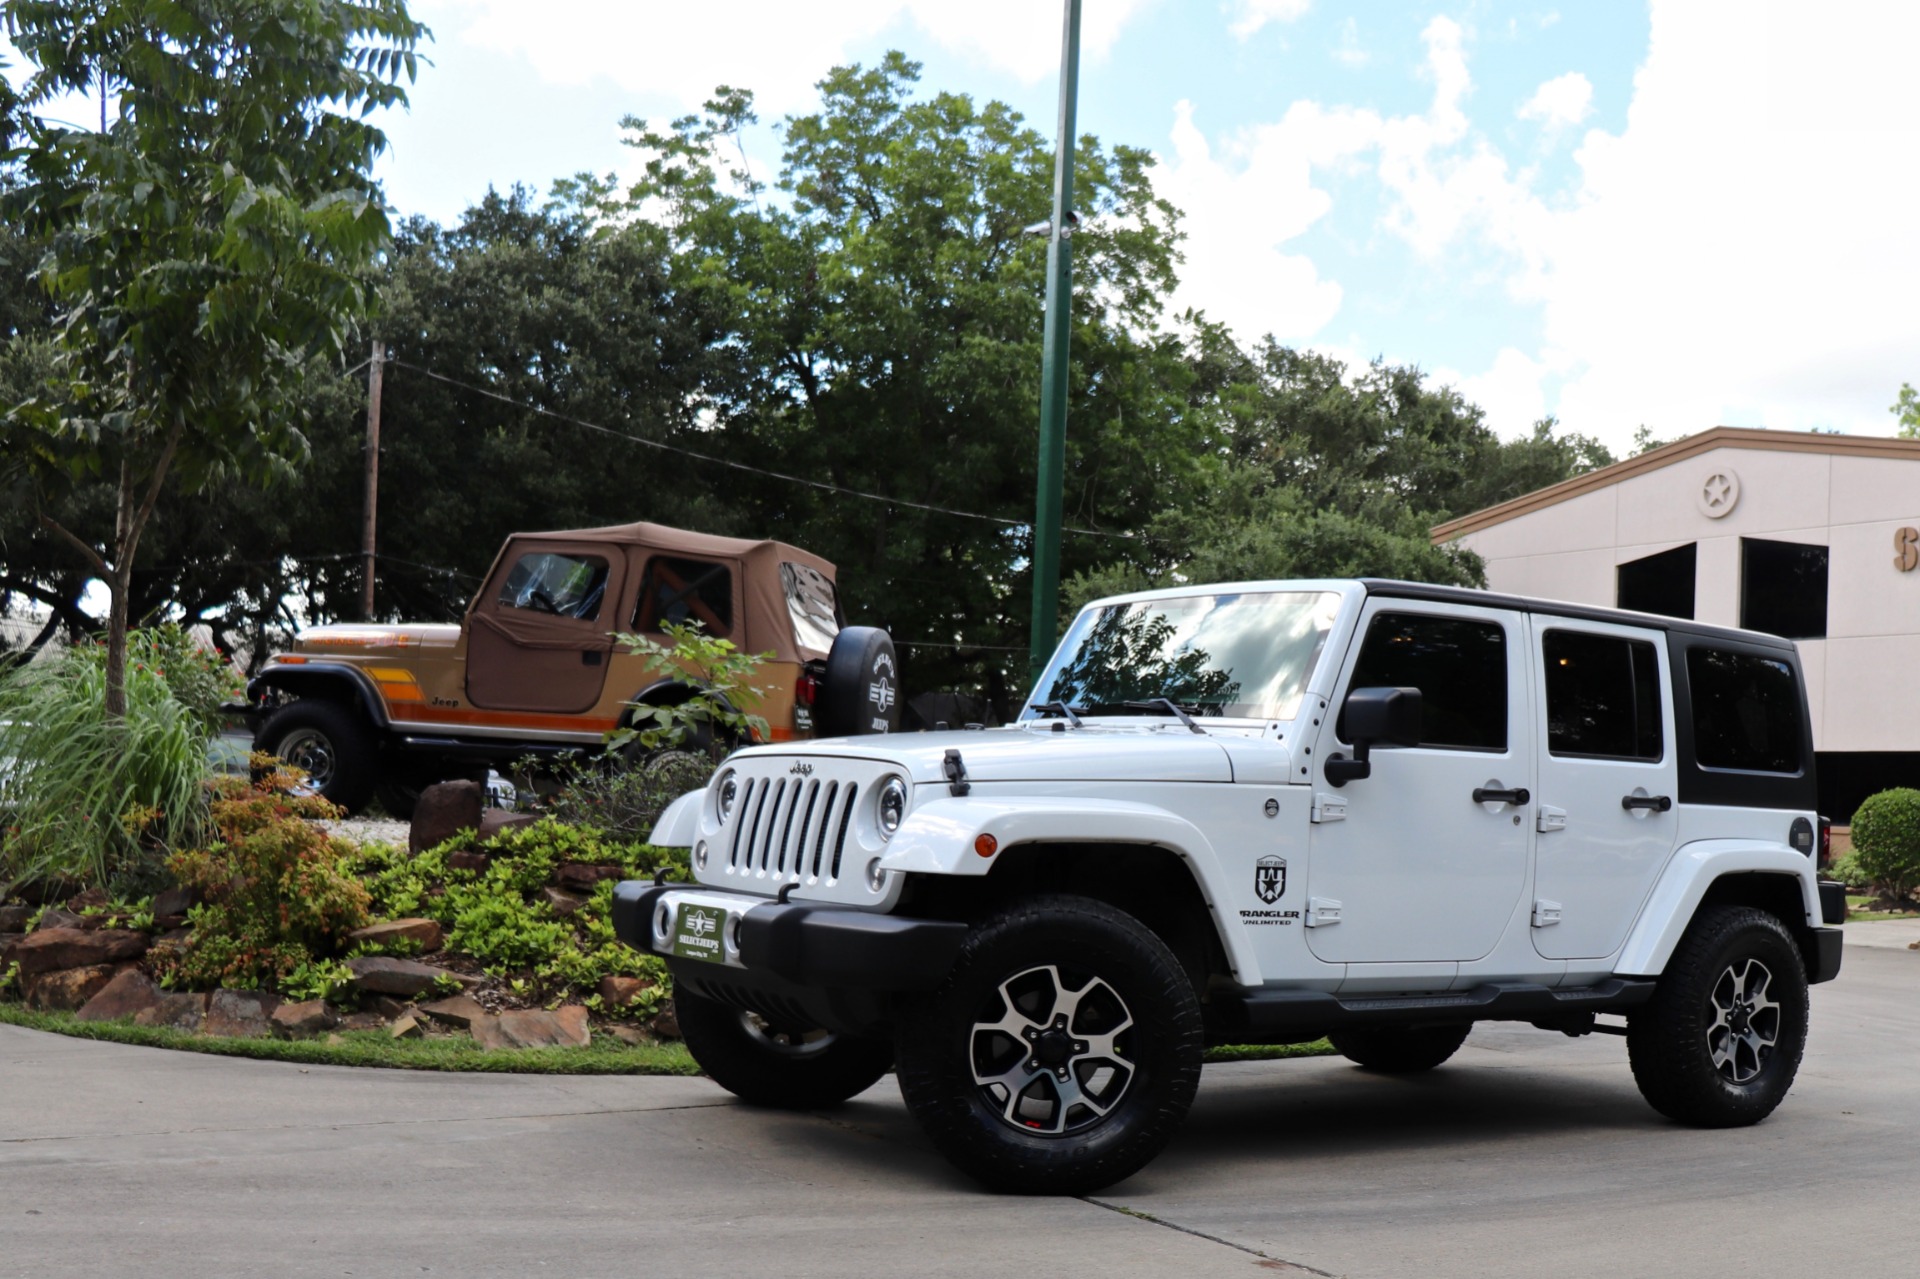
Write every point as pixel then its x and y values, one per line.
pixel 728 793
pixel 893 806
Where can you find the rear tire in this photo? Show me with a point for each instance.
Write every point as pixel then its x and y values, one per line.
pixel 1399 1050
pixel 790 1068
pixel 331 743
pixel 1719 1043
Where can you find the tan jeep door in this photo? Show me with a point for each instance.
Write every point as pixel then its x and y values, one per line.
pixel 541 630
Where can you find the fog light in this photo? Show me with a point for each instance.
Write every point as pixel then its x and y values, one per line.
pixel 700 855
pixel 876 878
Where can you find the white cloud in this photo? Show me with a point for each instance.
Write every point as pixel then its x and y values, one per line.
pixel 1510 391
pixel 1251 15
pixel 1350 52
pixel 1561 102
pixel 775 47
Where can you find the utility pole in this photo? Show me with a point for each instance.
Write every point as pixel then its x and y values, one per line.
pixel 375 367
pixel 1053 361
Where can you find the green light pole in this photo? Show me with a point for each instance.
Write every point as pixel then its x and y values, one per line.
pixel 1053 361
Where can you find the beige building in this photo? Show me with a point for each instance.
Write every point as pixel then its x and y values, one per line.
pixel 1815 537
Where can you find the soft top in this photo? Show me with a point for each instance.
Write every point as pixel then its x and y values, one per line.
pixel 768 624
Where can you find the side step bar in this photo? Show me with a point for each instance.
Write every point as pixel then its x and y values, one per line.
pixel 1282 1016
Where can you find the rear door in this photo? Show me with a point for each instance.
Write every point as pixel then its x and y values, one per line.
pixel 542 630
pixel 1606 816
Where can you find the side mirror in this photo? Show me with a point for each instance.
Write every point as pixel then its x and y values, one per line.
pixel 1374 717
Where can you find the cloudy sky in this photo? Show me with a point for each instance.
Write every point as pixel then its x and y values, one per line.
pixel 1681 214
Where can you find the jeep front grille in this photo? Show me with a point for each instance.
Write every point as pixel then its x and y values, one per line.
pixel 792 827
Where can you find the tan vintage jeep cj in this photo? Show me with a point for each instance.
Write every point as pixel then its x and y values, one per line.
pixel 533 668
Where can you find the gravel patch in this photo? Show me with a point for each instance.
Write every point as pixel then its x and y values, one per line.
pixel 370 830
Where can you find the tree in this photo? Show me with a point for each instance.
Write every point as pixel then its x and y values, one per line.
pixel 886 311
pixel 1906 410
pixel 206 248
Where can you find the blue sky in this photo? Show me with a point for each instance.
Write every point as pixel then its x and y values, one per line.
pixel 1680 214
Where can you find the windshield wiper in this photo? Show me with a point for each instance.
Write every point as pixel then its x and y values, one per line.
pixel 1058 708
pixel 1168 705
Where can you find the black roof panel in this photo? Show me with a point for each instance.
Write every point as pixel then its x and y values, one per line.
pixel 1389 589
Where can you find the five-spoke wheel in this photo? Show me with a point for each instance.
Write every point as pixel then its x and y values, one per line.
pixel 1061 1053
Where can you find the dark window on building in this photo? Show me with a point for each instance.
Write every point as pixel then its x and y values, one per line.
pixel 682 591
pixel 1783 588
pixel 1603 696
pixel 1746 711
pixel 1660 583
pixel 1459 667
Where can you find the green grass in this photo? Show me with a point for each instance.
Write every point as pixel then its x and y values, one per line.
pixel 607 1056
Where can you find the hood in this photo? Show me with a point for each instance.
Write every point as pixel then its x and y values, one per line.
pixel 1026 755
pixel 348 637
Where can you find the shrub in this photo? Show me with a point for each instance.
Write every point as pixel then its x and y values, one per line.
pixel 92 800
pixel 719 674
pixel 1886 841
pixel 620 797
pixel 1849 871
pixel 275 889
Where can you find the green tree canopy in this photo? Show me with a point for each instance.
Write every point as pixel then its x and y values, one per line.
pixel 203 248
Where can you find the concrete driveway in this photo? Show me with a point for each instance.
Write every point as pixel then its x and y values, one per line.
pixel 1530 1155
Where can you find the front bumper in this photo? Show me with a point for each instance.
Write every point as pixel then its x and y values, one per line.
pixel 792 961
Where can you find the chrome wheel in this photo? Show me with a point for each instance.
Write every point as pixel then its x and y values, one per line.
pixel 1746 1021
pixel 1055 1055
pixel 312 752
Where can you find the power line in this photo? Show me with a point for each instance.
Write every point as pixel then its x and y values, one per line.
pixel 739 466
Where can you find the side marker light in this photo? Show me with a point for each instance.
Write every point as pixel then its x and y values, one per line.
pixel 986 845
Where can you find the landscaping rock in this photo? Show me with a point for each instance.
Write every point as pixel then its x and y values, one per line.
pixel 618 992
pixel 563 903
pixel 495 822
pixel 459 1011
pixel 240 1014
pixel 174 901
pixel 581 879
pixel 7 942
pixel 13 919
pixel 363 1021
pixel 383 975
pixel 174 1012
pixel 408 1027
pixel 631 1036
pixel 127 995
pixel 45 950
pixel 666 1023
pixel 298 1021
pixel 66 989
pixel 467 859
pixel 424 932
pixel 443 811
pixel 60 917
pixel 535 1028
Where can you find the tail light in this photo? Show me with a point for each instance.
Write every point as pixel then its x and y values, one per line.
pixel 807 689
pixel 1826 841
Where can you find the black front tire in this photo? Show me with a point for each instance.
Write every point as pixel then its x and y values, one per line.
pixel 1061 1054
pixel 770 1065
pixel 1399 1050
pixel 1719 1043
pixel 331 743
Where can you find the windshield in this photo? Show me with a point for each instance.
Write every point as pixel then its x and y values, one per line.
pixel 1241 656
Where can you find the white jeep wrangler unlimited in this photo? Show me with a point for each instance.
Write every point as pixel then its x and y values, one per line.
pixel 1264 813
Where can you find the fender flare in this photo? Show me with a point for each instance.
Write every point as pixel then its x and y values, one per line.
pixel 306 679
pixel 679 822
pixel 1684 884
pixel 937 838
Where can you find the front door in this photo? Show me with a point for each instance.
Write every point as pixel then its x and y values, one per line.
pixel 1606 818
pixel 1417 869
pixel 541 632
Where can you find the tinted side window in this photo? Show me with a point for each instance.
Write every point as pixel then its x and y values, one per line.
pixel 564 585
pixel 682 591
pixel 1603 696
pixel 1460 668
pixel 1746 711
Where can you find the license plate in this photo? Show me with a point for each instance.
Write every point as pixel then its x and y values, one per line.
pixel 696 932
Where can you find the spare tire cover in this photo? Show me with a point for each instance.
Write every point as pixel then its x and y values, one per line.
pixel 861 691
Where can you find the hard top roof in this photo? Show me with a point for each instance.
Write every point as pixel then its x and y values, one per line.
pixel 1391 589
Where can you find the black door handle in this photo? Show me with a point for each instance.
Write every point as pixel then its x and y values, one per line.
pixel 1517 796
pixel 1652 803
